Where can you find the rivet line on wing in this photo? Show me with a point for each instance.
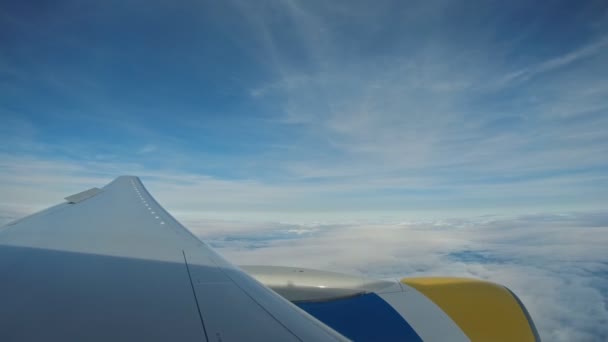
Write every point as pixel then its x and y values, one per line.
pixel 152 212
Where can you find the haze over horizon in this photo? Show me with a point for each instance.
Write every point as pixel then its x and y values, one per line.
pixel 452 138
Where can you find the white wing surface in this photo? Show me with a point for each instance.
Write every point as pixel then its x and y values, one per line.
pixel 111 264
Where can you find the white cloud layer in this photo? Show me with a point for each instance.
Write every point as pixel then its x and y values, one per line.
pixel 557 264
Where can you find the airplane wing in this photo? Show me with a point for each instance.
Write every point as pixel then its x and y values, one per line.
pixel 111 264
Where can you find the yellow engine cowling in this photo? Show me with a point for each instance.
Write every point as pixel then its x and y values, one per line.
pixel 484 311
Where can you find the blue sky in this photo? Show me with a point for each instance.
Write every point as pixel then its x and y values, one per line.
pixel 429 106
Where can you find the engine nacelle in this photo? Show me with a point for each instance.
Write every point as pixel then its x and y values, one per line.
pixel 412 309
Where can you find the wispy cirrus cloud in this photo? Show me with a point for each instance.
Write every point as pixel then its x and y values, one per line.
pixel 590 50
pixel 431 106
pixel 392 102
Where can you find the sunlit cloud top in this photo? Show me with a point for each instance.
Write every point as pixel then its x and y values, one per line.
pixel 312 106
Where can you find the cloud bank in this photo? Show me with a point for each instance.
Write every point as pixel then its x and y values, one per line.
pixel 557 264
